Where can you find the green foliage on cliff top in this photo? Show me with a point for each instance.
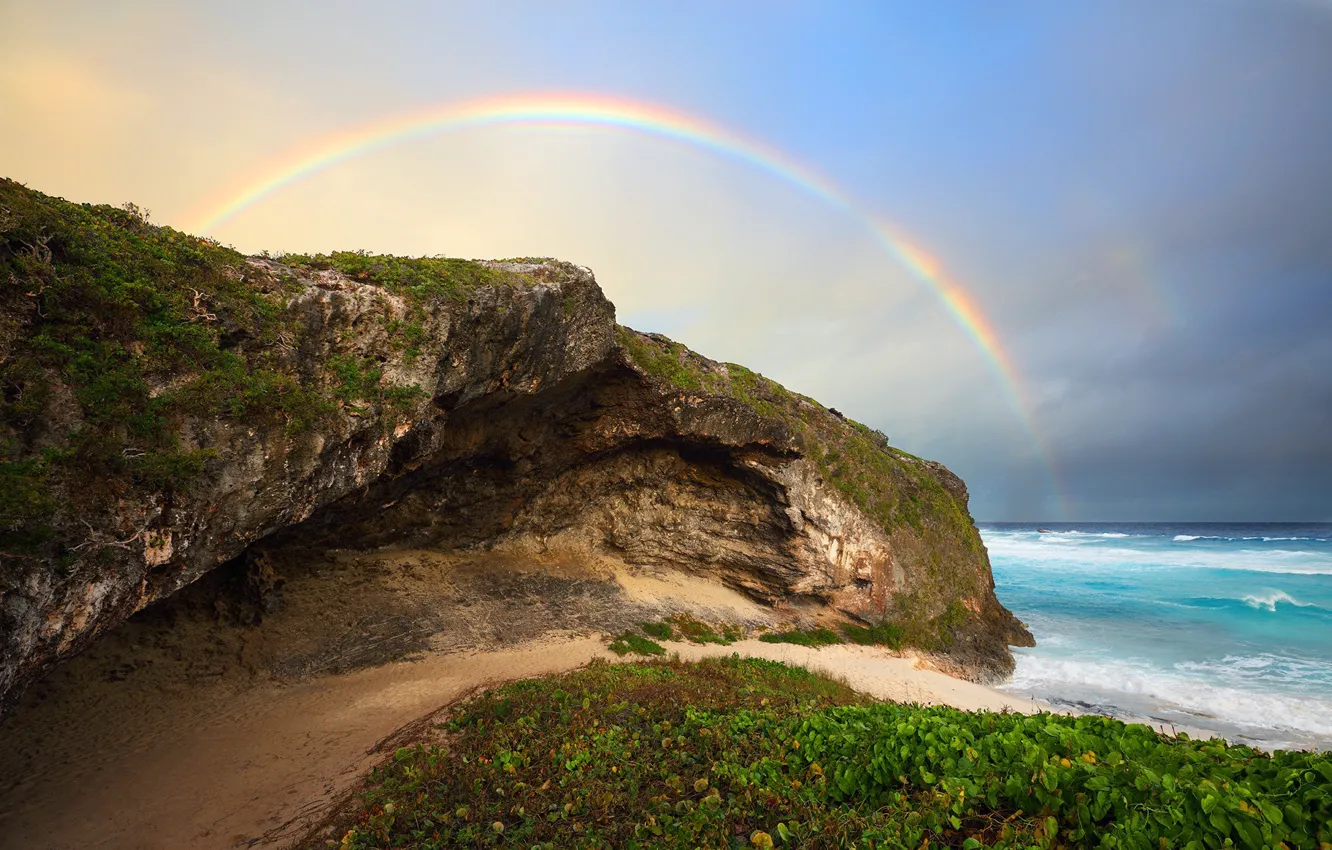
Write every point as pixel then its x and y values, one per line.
pixel 416 278
pixel 114 330
pixel 896 489
pixel 737 752
pixel 857 459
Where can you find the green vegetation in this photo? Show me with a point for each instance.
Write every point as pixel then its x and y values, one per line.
pixel 806 637
pixel 884 634
pixel 696 631
pixel 116 331
pixel 660 630
pixel 899 491
pixel 418 279
pixel 101 312
pixel 633 642
pixel 750 753
pixel 1086 781
pixel 855 458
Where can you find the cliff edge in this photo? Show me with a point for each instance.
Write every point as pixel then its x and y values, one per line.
pixel 170 405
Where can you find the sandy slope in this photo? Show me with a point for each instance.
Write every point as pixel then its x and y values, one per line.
pixel 179 733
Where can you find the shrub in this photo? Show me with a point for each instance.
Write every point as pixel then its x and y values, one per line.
pixel 660 630
pixel 809 637
pixel 631 642
pixel 884 634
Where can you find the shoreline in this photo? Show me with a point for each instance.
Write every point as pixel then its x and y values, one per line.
pixel 177 731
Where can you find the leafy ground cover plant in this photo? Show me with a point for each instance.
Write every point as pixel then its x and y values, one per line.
pixel 1092 781
pixel 752 753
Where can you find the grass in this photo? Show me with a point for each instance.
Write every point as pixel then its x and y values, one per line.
pixel 731 752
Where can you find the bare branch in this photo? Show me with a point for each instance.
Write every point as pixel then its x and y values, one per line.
pixel 201 306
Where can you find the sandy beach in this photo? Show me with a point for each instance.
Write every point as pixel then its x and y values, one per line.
pixel 177 732
pixel 255 769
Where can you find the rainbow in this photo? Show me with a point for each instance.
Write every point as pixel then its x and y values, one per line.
pixel 584 110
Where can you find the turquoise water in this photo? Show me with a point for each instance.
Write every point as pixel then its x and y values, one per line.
pixel 1224 627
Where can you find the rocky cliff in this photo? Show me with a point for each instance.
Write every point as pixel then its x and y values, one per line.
pixel 170 405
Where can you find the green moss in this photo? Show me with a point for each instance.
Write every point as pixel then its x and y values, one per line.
pixel 114 306
pixel 409 336
pixel 891 486
pixel 732 633
pixel 935 633
pixel 667 360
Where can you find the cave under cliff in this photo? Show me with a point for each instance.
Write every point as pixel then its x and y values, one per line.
pixel 171 406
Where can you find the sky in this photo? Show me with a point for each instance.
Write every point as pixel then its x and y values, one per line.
pixel 1079 252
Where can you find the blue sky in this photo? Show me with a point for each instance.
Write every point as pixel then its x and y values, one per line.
pixel 1137 194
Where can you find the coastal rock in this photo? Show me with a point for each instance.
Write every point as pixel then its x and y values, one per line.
pixel 170 405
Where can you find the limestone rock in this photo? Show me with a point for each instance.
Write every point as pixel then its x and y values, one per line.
pixel 169 404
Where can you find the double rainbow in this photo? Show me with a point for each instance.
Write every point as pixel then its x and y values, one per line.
pixel 583 110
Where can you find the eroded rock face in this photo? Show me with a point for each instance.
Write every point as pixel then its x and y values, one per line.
pixel 263 477
pixel 520 418
pixel 619 462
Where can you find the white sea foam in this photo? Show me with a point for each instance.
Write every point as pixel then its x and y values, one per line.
pixel 1269 600
pixel 1036 552
pixel 1266 669
pixel 1183 689
pixel 1187 538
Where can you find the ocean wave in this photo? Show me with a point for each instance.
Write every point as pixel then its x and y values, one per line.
pixel 1189 538
pixel 1267 668
pixel 1179 691
pixel 1283 561
pixel 1269 601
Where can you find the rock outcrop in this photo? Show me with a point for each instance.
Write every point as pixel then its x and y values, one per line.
pixel 170 405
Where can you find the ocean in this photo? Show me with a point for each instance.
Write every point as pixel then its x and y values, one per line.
pixel 1223 627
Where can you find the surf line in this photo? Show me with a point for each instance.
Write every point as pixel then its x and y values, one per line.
pixel 554 108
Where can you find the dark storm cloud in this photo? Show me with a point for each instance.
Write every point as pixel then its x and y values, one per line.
pixel 1194 379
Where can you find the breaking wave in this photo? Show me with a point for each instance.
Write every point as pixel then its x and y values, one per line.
pixel 1184 689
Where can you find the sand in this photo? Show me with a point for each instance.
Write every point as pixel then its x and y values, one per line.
pixel 185 734
pixel 265 764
